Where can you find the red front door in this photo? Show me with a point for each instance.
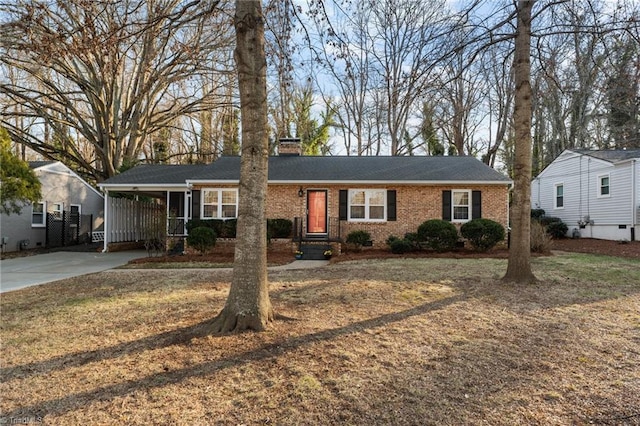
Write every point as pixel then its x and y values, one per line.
pixel 316 211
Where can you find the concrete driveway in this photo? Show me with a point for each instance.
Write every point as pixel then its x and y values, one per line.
pixel 27 271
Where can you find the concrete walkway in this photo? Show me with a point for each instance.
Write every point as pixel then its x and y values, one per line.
pixel 27 271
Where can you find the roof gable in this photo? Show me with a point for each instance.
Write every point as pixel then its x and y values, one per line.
pixel 605 157
pixel 44 168
pixel 611 155
pixel 38 164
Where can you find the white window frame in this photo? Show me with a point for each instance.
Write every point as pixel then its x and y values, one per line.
pixel 219 204
pixel 600 186
pixel 454 205
pixel 367 195
pixel 58 210
pixel 555 195
pixel 44 215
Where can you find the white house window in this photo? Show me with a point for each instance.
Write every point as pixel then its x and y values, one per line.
pixel 559 196
pixel 219 203
pixel 461 205
pixel 57 210
pixel 38 214
pixel 368 205
pixel 603 186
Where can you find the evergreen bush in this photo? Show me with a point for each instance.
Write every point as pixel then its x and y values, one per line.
pixel 557 229
pixel 279 228
pixel 438 235
pixel 358 239
pixel 536 214
pixel 399 246
pixel 483 234
pixel 202 239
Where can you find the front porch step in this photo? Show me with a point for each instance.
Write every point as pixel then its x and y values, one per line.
pixel 314 251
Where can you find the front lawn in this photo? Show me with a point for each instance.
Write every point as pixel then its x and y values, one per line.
pixel 394 341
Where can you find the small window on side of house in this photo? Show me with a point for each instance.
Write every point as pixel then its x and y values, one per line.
pixel 603 186
pixel 558 202
pixel 57 210
pixel 39 214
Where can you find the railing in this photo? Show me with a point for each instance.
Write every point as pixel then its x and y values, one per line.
pixel 300 230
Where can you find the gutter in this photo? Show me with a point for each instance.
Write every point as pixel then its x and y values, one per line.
pixel 355 182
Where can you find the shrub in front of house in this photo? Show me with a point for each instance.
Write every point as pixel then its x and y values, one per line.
pixel 279 228
pixel 557 229
pixel 358 239
pixel 197 223
pixel 202 239
pixel 390 239
pixel 536 214
pixel 414 239
pixel 438 235
pixel 400 246
pixel 554 226
pixel 540 239
pixel 483 234
pixel 223 228
pixel 548 220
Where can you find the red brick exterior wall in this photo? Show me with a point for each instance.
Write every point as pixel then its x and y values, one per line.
pixel 414 205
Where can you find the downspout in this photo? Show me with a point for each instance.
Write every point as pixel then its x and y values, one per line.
pixel 634 202
pixel 580 217
pixel 106 221
pixel 589 197
pixel 509 189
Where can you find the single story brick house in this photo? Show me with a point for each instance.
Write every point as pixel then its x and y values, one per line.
pixel 325 197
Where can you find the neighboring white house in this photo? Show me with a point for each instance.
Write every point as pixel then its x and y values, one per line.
pixel 64 194
pixel 596 193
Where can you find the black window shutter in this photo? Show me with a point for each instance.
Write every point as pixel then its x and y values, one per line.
pixel 391 205
pixel 195 205
pixel 446 205
pixel 343 204
pixel 476 205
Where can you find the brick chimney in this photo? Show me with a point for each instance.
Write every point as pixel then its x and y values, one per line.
pixel 289 147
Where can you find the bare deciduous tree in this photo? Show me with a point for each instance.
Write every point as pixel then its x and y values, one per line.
pixel 519 266
pixel 105 73
pixel 248 305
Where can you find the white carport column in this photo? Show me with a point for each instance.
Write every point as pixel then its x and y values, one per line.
pixel 106 221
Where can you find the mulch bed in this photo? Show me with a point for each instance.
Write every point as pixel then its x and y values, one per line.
pixel 628 249
pixel 583 245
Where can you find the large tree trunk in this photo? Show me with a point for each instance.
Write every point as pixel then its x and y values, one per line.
pixel 248 305
pixel 519 267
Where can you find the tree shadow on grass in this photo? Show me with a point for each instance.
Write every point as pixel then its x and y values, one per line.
pixel 181 336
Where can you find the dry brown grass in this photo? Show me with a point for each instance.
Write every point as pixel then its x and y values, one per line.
pixel 394 341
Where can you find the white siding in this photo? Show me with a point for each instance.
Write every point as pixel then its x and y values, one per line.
pixel 612 216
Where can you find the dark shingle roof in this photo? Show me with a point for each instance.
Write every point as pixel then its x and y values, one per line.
pixel 612 155
pixel 149 174
pixel 323 169
pixel 37 164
